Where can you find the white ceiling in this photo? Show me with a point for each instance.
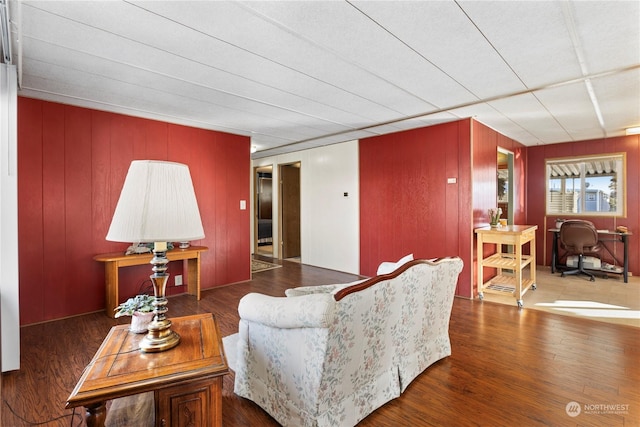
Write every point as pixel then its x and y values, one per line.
pixel 301 74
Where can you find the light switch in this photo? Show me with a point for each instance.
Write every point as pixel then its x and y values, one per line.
pixel 243 205
pixel 451 180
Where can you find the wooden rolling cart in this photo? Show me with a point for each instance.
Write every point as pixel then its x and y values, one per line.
pixel 515 262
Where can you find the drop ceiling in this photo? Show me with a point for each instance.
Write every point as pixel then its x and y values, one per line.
pixel 294 75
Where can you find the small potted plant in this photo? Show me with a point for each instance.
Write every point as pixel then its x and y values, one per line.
pixel 494 216
pixel 140 308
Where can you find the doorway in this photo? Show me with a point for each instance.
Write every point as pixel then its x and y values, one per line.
pixel 290 211
pixel 263 225
pixel 505 184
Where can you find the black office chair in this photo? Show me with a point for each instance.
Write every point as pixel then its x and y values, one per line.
pixel 579 237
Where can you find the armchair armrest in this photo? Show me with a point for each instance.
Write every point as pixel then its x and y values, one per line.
pixel 310 290
pixel 319 289
pixel 307 311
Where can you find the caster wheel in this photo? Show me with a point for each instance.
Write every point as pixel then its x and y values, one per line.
pixel 520 304
pixel 592 279
pixel 481 296
pixel 534 287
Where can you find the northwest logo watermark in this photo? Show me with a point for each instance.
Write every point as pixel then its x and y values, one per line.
pixel 574 409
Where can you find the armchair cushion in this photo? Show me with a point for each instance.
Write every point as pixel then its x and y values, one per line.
pixel 307 311
pixel 388 267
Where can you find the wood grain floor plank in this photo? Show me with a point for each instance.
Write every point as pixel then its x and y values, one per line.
pixel 508 366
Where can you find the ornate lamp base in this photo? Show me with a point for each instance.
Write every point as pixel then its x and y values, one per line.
pixel 160 337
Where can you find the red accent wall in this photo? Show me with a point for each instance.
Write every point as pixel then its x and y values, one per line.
pixel 536 207
pixel 406 204
pixel 72 164
pixel 486 142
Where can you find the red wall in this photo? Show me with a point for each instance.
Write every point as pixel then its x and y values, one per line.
pixel 485 192
pixel 72 164
pixel 406 204
pixel 537 184
pixel 486 142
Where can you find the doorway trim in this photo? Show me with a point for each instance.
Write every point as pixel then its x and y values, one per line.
pixel 281 211
pixel 256 210
pixel 510 181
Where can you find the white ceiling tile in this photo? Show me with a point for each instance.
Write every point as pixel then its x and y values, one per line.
pixel 619 99
pixel 607 48
pixel 531 36
pixel 239 71
pixel 290 52
pixel 572 109
pixel 527 111
pixel 344 47
pixel 302 74
pixel 445 37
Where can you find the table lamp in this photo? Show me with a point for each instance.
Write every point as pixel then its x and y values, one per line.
pixel 157 205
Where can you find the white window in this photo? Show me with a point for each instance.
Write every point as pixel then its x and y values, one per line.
pixel 593 185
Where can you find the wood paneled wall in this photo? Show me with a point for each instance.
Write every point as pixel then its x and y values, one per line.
pixel 536 188
pixel 485 142
pixel 72 164
pixel 407 206
pixel 406 203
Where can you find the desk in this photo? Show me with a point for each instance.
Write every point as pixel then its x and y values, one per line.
pixel 604 236
pixel 114 261
pixel 186 381
pixel 516 236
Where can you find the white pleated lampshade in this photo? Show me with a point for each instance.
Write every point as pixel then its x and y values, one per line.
pixel 157 204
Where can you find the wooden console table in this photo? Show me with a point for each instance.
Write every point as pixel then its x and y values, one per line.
pixel 114 261
pixel 186 381
pixel 514 283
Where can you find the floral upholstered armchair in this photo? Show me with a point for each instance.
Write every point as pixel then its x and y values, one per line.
pixel 331 355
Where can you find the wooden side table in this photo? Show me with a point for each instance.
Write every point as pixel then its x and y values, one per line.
pixel 186 381
pixel 116 260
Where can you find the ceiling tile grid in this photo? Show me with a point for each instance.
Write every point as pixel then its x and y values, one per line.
pixel 298 74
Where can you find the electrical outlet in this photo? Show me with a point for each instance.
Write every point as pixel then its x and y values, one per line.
pixel 178 281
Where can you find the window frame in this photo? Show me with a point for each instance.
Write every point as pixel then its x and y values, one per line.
pixel 621 186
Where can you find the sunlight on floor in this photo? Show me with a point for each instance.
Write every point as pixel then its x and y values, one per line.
pixel 605 300
pixel 592 309
pixel 582 304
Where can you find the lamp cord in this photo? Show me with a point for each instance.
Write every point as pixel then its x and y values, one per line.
pixel 73 414
pixel 148 289
pixel 33 423
pixel 143 289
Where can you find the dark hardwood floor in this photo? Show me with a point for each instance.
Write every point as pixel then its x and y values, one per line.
pixel 508 367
